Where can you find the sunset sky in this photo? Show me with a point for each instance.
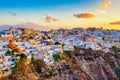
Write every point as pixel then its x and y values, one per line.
pixel 62 13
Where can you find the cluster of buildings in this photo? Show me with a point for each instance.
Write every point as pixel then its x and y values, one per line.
pixel 43 45
pixel 95 39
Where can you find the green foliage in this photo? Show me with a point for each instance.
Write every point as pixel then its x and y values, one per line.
pixel 9 53
pixel 114 48
pixel 32 60
pixel 23 56
pixel 16 66
pixel 62 58
pixel 50 72
pixel 68 53
pixel 56 57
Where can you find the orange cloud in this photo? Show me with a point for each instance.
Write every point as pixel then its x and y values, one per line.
pixel 115 23
pixel 105 4
pixel 50 19
pixel 84 15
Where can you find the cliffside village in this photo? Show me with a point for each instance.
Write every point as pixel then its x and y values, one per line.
pixel 44 44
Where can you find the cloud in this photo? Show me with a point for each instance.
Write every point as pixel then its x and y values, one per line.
pixel 115 23
pixel 13 13
pixel 50 19
pixel 84 15
pixel 100 11
pixel 105 4
pixel 103 7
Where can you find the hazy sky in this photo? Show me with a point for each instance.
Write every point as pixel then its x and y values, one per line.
pixel 62 13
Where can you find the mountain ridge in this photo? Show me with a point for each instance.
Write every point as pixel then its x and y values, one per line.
pixel 25 25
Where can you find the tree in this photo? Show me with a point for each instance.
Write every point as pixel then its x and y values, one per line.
pixel 23 56
pixel 16 68
pixel 8 52
pixel 56 57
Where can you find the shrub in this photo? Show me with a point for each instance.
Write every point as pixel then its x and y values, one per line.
pixel 32 60
pixel 23 56
pixel 62 58
pixel 68 53
pixel 16 66
pixel 50 72
pixel 8 52
pixel 56 57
